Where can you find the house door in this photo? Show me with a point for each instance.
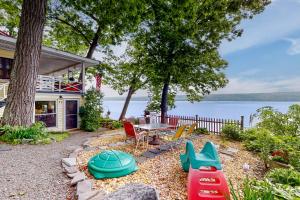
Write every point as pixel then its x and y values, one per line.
pixel 71 114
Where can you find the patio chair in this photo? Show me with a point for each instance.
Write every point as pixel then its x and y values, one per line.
pixel 191 129
pixel 173 121
pixel 132 133
pixel 177 135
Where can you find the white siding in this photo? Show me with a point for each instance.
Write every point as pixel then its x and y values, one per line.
pixel 60 106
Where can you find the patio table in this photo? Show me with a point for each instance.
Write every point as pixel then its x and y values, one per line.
pixel 154 127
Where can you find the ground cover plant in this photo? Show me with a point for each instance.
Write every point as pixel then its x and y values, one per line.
pixel 279 184
pixel 34 134
pixel 16 134
pixel 58 136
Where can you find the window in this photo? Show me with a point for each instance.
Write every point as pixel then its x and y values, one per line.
pixel 5 66
pixel 45 111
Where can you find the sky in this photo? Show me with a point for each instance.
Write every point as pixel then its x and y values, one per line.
pixel 267 56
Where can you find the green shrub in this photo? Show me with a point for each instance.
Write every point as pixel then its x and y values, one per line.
pixel 90 113
pixel 201 131
pixel 15 134
pixel 116 124
pixel 280 123
pixel 284 176
pixel 264 190
pixel 231 131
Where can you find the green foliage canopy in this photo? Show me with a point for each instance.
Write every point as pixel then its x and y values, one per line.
pixel 180 42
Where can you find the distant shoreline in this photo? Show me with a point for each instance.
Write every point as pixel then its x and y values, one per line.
pixel 275 97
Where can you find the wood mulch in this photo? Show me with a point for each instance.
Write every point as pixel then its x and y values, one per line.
pixel 164 172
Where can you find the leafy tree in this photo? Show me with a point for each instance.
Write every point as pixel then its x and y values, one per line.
pixel 180 43
pixel 93 23
pixel 21 91
pixel 90 113
pixel 10 15
pixel 125 74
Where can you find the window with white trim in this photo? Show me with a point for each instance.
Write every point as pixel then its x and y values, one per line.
pixel 45 111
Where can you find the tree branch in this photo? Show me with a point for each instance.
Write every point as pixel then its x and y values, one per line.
pixel 74 28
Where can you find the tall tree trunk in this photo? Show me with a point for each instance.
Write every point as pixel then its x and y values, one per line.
pixel 94 44
pixel 164 102
pixel 125 107
pixel 19 109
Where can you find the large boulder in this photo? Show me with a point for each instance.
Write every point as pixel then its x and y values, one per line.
pixel 134 191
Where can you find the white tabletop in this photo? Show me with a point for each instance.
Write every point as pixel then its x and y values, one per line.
pixel 155 126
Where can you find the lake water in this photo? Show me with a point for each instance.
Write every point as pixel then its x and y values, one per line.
pixel 214 109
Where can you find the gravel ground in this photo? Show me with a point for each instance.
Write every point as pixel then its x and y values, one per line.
pixel 34 171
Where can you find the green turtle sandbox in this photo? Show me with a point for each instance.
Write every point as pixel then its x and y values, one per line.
pixel 111 164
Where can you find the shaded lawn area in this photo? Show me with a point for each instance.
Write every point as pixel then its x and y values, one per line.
pixel 164 172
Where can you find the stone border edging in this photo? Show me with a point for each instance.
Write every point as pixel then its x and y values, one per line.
pixel 83 184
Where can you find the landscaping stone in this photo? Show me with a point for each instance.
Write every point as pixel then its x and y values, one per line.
pixel 69 161
pixel 141 159
pixel 148 154
pixel 88 195
pixel 232 150
pixel 26 141
pixel 84 187
pixel 86 144
pixel 73 155
pixel 227 158
pixel 102 148
pixel 99 196
pixel 133 192
pixel 77 150
pixel 73 147
pixel 72 175
pixel 79 177
pixel 164 147
pixel 71 170
pixel 156 151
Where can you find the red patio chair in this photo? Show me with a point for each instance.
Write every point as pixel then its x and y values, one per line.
pixel 173 121
pixel 132 133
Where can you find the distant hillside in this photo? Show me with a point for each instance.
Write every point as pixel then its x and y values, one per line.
pixel 276 96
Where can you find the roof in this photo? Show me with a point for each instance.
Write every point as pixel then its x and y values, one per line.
pixel 52 60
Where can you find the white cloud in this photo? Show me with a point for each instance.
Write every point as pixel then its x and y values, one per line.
pixel 295 46
pixel 279 19
pixel 238 85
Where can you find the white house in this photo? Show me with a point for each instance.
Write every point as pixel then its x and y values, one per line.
pixel 59 86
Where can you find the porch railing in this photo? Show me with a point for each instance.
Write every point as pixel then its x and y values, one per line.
pixel 213 125
pixel 57 84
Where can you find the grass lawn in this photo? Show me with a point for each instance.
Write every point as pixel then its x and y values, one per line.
pixel 58 136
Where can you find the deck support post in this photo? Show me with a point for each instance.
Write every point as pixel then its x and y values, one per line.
pixel 83 77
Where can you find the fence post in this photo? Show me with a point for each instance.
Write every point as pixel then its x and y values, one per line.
pixel 197 126
pixel 242 122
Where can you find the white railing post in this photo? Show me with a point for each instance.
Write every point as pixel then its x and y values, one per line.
pixel 83 78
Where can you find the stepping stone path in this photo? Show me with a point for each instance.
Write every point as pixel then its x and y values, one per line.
pixel 229 151
pixel 83 187
pixel 70 162
pixel 79 177
pixel 149 154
